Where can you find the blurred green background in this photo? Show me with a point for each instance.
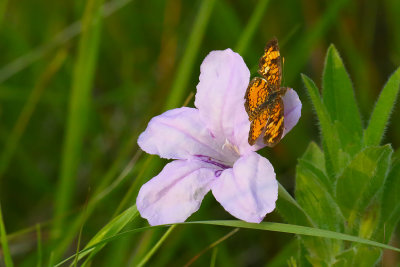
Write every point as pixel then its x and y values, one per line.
pixel 146 59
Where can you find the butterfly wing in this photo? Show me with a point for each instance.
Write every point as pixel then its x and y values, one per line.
pixel 275 125
pixel 270 66
pixel 257 126
pixel 263 103
pixel 256 94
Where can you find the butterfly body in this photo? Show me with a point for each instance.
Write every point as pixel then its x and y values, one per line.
pixel 264 104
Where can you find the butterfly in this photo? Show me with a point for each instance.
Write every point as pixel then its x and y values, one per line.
pixel 264 104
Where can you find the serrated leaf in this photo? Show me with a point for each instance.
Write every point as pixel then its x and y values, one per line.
pixel 329 134
pixel 319 175
pixel 350 140
pixel 380 115
pixel 302 256
pixel 315 197
pixel 330 170
pixel 370 218
pixel 293 213
pixel 361 180
pixel 315 155
pixel 358 255
pixel 339 99
pixel 290 210
pixel 314 158
pixel 390 206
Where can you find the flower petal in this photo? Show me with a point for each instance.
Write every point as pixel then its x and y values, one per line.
pixel 249 190
pixel 175 193
pixel 292 111
pixel 220 94
pixel 178 134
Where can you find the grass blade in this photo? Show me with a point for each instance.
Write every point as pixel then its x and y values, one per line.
pixel 103 190
pixel 111 229
pixel 214 257
pixel 185 68
pixel 61 38
pixel 264 226
pixel 306 44
pixel 80 233
pixel 78 107
pixel 4 243
pixel 251 27
pixel 39 245
pixel 156 246
pixel 298 230
pixel 3 6
pixel 380 115
pixel 26 113
pixel 222 239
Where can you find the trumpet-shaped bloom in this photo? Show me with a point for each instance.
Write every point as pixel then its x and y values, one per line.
pixel 209 148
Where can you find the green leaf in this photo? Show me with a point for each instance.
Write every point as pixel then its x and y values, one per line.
pixel 338 97
pixel 315 155
pixel 290 210
pixel 390 206
pixel 351 142
pixel 380 115
pixel 265 226
pixel 361 180
pixel 314 195
pixel 370 218
pixel 358 256
pixel 328 131
pixel 111 229
pixel 314 158
pixel 293 213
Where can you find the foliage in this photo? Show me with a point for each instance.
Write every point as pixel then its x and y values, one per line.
pixel 344 187
pixel 73 100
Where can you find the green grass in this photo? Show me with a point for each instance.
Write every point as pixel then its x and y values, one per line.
pixel 106 237
pixel 79 107
pixel 186 66
pixel 4 243
pixel 73 101
pixel 27 111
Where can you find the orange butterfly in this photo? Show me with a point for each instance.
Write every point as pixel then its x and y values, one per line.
pixel 263 97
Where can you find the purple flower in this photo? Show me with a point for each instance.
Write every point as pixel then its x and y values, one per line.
pixel 210 150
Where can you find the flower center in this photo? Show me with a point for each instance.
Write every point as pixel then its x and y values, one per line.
pixel 233 149
pixel 220 165
pixel 230 151
pixel 212 161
